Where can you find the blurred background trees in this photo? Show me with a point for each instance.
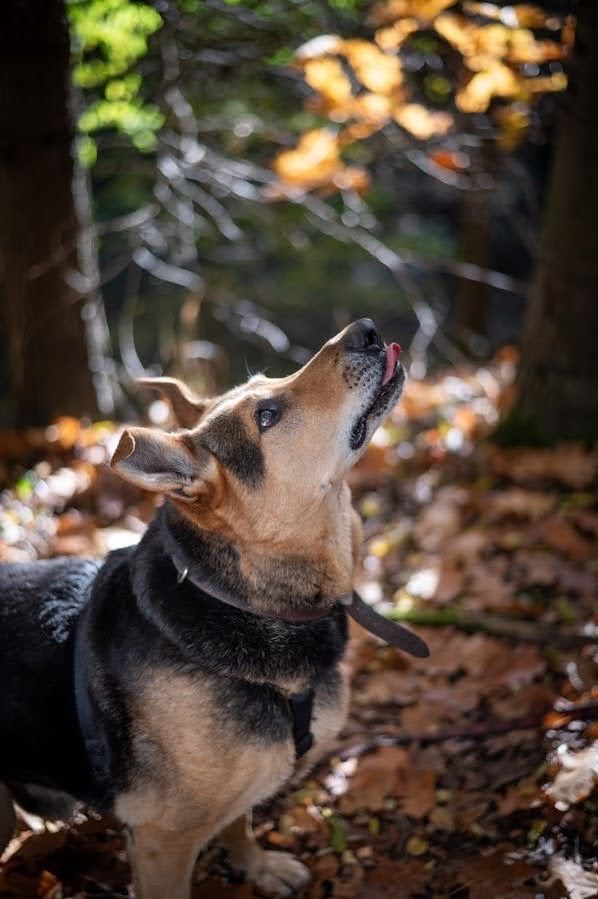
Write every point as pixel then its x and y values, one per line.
pixel 263 171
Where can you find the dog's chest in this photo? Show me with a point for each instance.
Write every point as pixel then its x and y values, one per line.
pixel 198 753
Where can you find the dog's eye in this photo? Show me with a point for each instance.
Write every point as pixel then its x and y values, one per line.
pixel 267 415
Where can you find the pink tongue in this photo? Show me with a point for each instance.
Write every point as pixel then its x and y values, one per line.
pixel 393 351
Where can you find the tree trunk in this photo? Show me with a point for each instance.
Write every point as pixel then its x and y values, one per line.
pixel 471 297
pixel 46 284
pixel 559 369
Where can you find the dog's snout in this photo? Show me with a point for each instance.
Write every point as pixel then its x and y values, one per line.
pixel 362 335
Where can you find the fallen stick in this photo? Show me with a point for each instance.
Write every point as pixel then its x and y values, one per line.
pixel 531 631
pixel 494 727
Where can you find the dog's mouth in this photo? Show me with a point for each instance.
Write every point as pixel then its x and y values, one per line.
pixel 389 389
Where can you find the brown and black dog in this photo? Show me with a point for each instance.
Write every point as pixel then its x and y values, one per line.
pixel 181 682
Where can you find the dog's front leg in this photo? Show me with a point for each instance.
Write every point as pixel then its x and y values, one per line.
pixel 275 873
pixel 163 861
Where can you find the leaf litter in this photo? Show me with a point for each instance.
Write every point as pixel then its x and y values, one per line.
pixel 468 775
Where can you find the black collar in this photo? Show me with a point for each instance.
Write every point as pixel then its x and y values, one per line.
pixel 390 631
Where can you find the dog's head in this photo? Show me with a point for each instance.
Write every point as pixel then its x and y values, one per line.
pixel 265 462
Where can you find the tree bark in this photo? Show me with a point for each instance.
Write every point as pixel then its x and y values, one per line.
pixel 46 285
pixel 559 369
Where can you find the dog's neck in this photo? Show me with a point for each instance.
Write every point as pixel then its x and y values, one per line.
pixel 292 587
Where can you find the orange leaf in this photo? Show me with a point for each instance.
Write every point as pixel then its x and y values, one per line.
pixel 422 123
pixel 392 37
pixel 496 81
pixel 376 70
pixel 327 76
pixel 314 159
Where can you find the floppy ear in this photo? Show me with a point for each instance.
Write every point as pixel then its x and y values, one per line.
pixel 187 408
pixel 158 461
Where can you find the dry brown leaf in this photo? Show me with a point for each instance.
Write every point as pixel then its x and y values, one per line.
pixel 518 503
pixel 496 876
pixel 374 779
pixel 384 687
pixel 520 796
pixel 568 464
pixel 416 792
pixel 381 881
pixel 558 534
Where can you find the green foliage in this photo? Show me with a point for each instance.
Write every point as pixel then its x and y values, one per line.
pixel 109 38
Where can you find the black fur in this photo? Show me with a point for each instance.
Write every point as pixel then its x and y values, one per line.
pixel 134 618
pixel 228 440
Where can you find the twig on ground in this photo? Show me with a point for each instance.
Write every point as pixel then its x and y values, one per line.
pixel 563 637
pixel 478 731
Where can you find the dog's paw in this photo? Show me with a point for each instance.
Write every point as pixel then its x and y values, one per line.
pixel 277 873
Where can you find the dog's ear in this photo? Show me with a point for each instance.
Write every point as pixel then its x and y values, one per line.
pixel 187 408
pixel 165 463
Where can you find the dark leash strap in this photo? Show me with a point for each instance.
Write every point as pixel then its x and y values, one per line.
pixel 301 704
pixel 390 631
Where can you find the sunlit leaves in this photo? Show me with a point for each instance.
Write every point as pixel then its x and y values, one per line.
pixel 422 123
pixel 376 70
pixel 487 59
pixel 328 78
pixel 112 36
pixel 495 81
pixel 316 163
pixel 109 38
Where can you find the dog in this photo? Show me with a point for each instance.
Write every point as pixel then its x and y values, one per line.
pixel 183 681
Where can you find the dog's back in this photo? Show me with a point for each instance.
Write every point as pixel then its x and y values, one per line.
pixel 39 606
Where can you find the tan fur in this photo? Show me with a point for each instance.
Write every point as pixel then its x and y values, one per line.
pixel 201 776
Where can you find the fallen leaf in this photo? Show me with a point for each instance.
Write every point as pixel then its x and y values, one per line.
pixel 579 883
pixel 576 779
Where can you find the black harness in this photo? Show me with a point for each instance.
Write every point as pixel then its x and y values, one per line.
pixel 300 704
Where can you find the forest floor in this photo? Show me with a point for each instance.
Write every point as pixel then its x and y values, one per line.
pixel 466 775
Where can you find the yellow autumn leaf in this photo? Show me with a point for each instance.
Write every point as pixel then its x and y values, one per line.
pixel 314 160
pixel 377 71
pixel 525 48
pixel 522 15
pixel 421 122
pixel 373 108
pixel 392 37
pixel 555 82
pixel 458 32
pixel 315 163
pixel 398 9
pixel 496 81
pixel 326 76
pixel 351 177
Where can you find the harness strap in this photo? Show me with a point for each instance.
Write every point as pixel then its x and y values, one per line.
pixel 93 736
pixel 302 705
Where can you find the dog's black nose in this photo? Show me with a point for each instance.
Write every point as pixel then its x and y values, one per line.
pixel 362 335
